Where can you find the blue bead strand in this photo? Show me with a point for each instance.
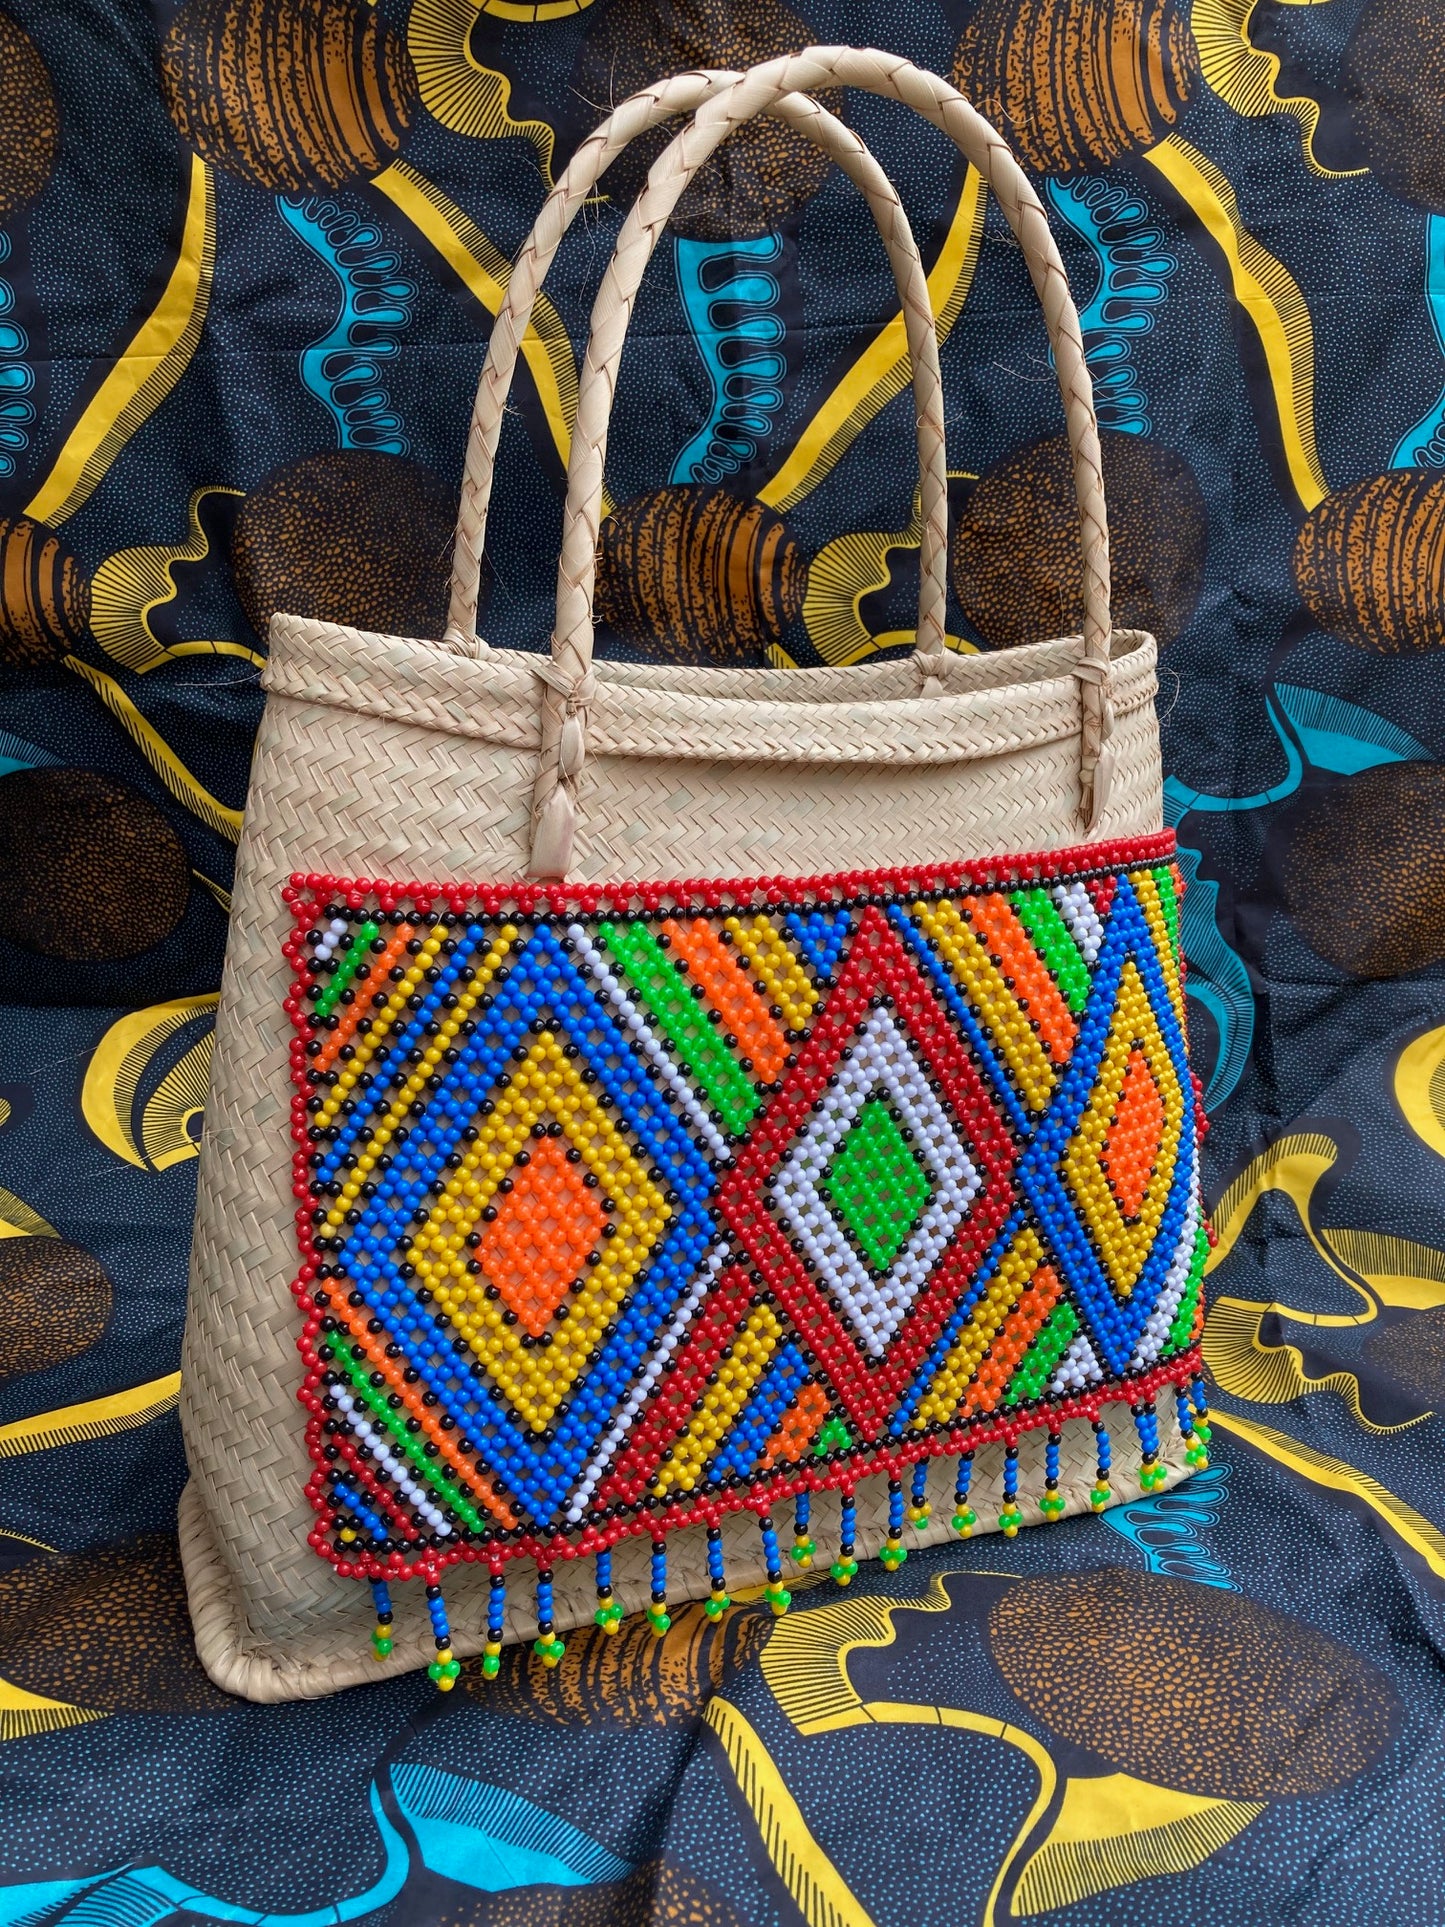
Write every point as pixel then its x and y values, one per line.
pixel 1151 1473
pixel 445 1667
pixel 658 1616
pixel 1201 1423
pixel 381 1639
pixel 779 1598
pixel 964 1517
pixel 1101 1494
pixel 496 1624
pixel 547 1646
pixel 1196 1452
pixel 919 1510
pixel 1010 1518
pixel 803 1544
pixel 719 1602
pixel 609 1609
pixel 845 1566
pixel 894 1552
pixel 1052 1504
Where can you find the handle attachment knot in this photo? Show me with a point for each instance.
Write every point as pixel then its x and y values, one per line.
pixel 1097 759
pixel 554 824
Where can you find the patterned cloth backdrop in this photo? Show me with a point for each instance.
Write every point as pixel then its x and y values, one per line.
pixel 249 256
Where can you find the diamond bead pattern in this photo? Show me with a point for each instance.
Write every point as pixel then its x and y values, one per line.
pixel 877 1184
pixel 614 1206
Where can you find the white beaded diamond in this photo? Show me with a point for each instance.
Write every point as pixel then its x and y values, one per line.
pixel 881 1062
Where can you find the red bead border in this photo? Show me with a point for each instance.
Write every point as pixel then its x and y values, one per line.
pixel 741 893
pixel 307 890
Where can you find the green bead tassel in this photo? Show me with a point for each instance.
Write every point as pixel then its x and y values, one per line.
pixel 1195 1435
pixel 381 1640
pixel 778 1596
pixel 1052 1503
pixel 496 1623
pixel 446 1666
pixel 1102 1493
pixel 717 1604
pixel 658 1617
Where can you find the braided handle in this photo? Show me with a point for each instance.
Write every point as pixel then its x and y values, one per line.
pixel 667 100
pixel 554 807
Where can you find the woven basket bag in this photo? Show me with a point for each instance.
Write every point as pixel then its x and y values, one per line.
pixel 648 1100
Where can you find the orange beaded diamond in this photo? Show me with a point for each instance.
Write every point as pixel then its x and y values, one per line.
pixel 1131 1149
pixel 546 1229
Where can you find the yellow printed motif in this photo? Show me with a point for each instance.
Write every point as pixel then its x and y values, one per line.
pixel 546 346
pixel 131 584
pixel 1246 76
pixel 456 88
pixel 165 1132
pixel 1271 299
pixel 186 787
pixel 882 370
pixel 146 371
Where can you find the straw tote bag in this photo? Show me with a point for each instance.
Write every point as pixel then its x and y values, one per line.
pixel 665 1122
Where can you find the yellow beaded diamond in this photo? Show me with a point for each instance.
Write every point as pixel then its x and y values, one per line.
pixel 1124 1243
pixel 535 1376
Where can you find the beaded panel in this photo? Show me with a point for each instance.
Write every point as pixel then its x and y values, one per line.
pixel 621 1209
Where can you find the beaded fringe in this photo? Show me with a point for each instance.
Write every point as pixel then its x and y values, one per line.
pixel 626 1210
pixel 550 1648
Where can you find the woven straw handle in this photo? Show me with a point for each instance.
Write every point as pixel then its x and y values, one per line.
pixel 554 806
pixel 667 100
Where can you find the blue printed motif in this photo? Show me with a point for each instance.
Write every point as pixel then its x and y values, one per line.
pixel 1218 977
pixel 346 369
pixel 1165 1529
pixel 17 378
pixel 1423 446
pixel 730 298
pixel 483 1837
pixel 1135 267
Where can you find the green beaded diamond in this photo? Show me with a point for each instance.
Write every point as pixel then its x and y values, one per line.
pixel 834 1437
pixel 877 1185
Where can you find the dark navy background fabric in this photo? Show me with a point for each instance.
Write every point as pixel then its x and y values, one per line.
pixel 249 256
